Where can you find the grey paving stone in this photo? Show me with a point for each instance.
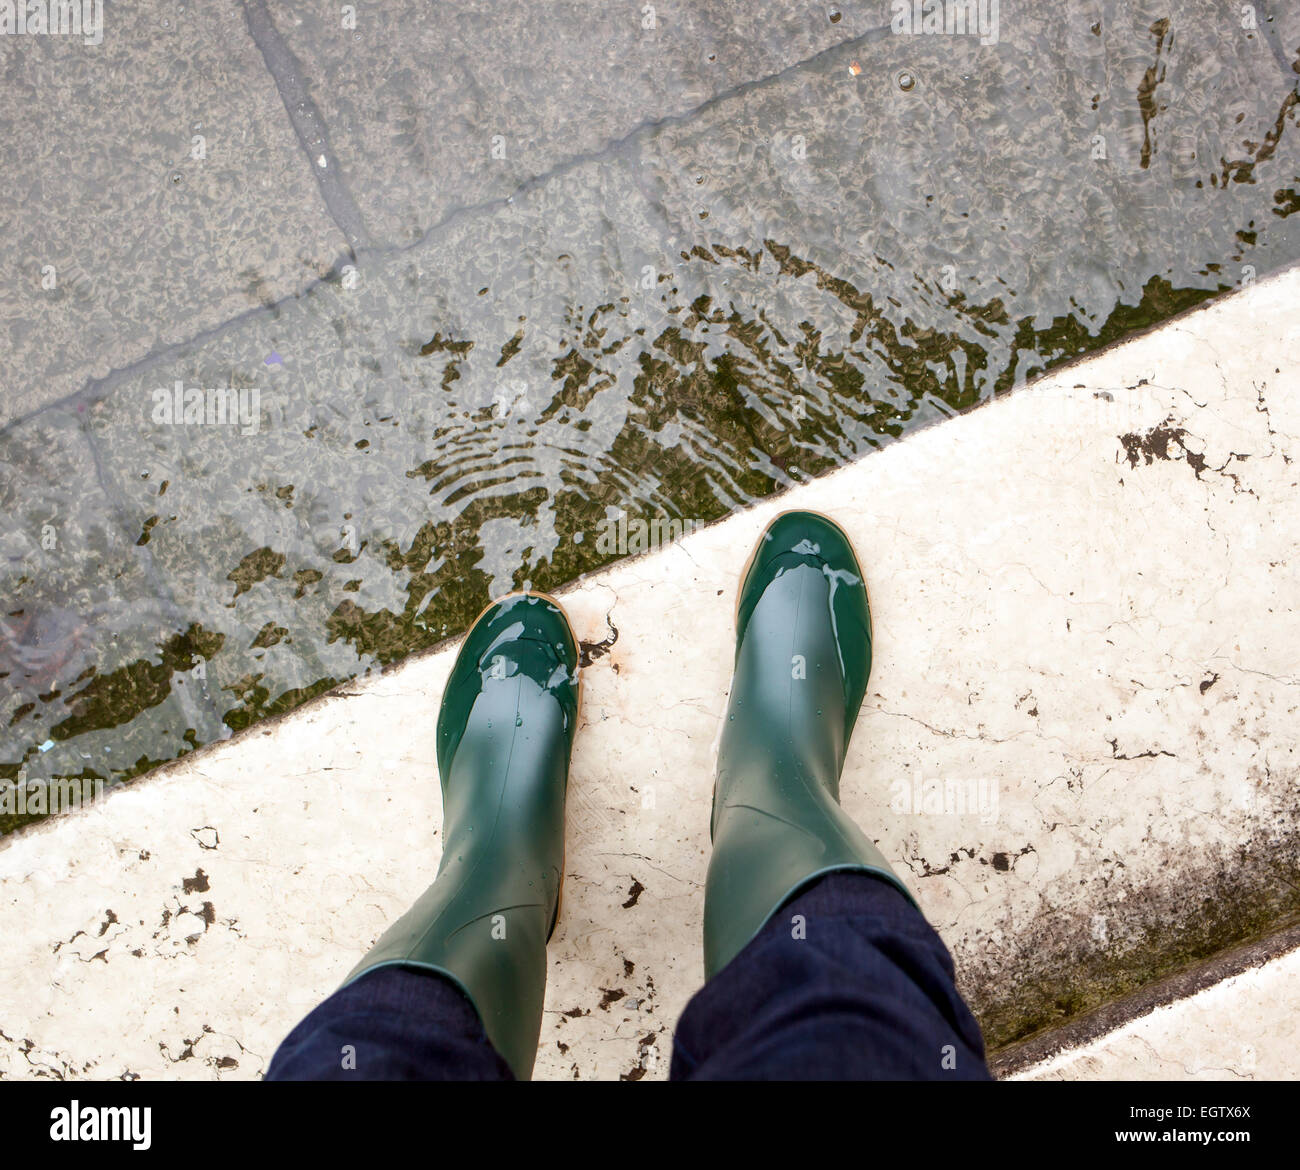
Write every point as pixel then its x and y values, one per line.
pixel 96 663
pixel 147 245
pixel 434 107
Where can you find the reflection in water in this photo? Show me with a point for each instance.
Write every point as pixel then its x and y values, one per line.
pixel 668 334
pixel 37 646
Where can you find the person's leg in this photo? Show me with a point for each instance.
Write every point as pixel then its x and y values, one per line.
pixel 505 734
pixel 392 1024
pixel 781 839
pixel 847 981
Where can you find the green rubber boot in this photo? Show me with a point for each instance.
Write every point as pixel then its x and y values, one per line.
pixel 505 732
pixel 803 655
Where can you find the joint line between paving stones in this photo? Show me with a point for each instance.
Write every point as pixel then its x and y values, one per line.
pixel 307 122
pixel 342 208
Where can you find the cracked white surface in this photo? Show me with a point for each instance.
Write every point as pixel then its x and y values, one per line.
pixel 1103 644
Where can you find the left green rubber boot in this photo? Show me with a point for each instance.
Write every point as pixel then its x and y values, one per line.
pixel 803 657
pixel 505 734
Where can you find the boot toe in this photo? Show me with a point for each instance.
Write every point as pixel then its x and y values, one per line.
pixel 524 633
pixel 796 539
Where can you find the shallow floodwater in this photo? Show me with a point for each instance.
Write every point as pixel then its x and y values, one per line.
pixel 687 277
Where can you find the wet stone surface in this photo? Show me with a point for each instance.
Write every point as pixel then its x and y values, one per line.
pixel 151 189
pixel 671 322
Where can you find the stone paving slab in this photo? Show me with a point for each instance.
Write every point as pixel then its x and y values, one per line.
pixel 111 609
pixel 145 245
pixel 430 112
pixel 1078 747
pixel 430 116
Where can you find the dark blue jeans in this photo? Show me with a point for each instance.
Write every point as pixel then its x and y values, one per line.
pixel 847 981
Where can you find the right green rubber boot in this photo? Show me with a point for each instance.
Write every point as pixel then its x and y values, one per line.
pixel 803 656
pixel 505 733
